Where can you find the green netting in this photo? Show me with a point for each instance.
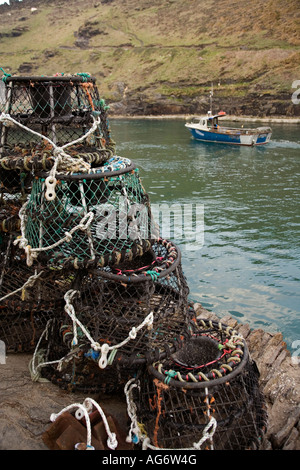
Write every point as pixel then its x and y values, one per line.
pixel 110 202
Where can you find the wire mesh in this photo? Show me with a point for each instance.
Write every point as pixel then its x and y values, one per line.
pixel 59 107
pixel 40 115
pixel 175 403
pixel 113 308
pixel 9 216
pixel 112 196
pixel 29 298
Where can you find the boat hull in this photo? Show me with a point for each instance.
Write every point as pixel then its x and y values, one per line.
pixel 259 138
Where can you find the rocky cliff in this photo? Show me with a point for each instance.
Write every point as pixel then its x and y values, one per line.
pixel 153 57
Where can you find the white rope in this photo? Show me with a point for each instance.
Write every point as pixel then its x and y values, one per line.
pixel 69 308
pixel 208 433
pixel 105 348
pixel 38 354
pixel 59 151
pixel 54 417
pixel 112 442
pixel 83 410
pixel 135 435
pixel 62 159
pixel 34 373
pixel 29 283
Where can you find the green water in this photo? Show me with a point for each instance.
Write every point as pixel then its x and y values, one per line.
pixel 248 266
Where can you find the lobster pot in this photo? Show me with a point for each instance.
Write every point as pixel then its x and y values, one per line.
pixel 206 395
pixel 29 299
pixel 44 112
pixel 112 204
pixel 76 369
pixel 59 107
pixel 141 317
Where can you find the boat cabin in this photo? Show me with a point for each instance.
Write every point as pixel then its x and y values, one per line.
pixel 209 122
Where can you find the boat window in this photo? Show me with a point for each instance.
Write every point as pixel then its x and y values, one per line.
pixel 215 123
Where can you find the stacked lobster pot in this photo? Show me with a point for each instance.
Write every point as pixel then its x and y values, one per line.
pixel 46 124
pixel 105 294
pixel 127 283
pixel 92 290
pixel 120 319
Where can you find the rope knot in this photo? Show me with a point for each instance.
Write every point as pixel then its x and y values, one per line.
pixel 30 256
pixel 132 333
pixel 68 236
pixel 112 442
pixel 58 151
pixel 103 358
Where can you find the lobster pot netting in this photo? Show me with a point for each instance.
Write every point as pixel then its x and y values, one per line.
pixel 29 298
pixel 9 216
pixel 40 115
pixel 131 319
pixel 92 219
pixel 59 107
pixel 205 396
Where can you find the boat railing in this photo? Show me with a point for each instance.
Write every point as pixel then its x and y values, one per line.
pixel 242 131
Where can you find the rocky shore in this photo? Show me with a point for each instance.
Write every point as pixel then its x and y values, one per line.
pixel 230 118
pixel 26 406
pixel 254 106
pixel 279 382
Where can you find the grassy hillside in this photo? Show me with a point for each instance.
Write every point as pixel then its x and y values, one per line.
pixel 155 51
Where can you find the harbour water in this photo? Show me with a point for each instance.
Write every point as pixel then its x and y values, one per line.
pixel 248 264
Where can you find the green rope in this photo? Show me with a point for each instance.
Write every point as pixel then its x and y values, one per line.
pixel 171 374
pixel 84 76
pixel 6 75
pixel 153 274
pixel 103 104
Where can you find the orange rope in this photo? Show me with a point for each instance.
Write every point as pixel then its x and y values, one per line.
pixel 159 387
pixel 86 87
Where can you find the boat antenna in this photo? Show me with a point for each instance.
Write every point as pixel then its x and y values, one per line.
pixel 211 94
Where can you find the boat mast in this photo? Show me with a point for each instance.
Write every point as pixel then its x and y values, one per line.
pixel 211 94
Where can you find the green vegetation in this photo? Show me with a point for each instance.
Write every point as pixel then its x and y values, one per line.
pixel 171 48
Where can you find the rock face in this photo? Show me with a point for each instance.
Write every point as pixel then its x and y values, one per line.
pixel 279 382
pixel 26 406
pixel 256 104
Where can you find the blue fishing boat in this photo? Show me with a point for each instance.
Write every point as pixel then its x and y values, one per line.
pixel 207 129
